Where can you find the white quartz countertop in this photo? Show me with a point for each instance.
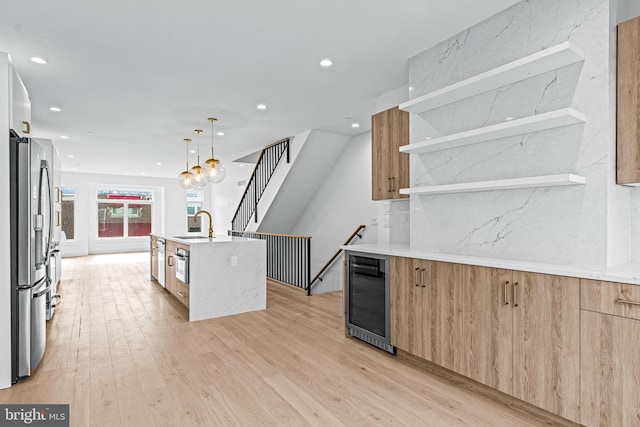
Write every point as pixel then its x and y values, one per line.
pixel 624 273
pixel 198 238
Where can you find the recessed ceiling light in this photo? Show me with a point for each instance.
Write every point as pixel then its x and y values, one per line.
pixel 410 88
pixel 355 125
pixel 38 60
pixel 220 134
pixel 64 137
pixel 159 163
pixel 326 63
pixel 427 138
pixel 506 119
pixel 261 107
pixel 56 109
pixel 71 156
pixel 192 151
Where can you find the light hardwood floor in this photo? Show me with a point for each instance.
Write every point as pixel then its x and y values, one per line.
pixel 121 352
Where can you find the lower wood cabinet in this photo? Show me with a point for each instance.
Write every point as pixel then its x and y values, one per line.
pixel 610 346
pixel 176 288
pixel 514 331
pixel 154 257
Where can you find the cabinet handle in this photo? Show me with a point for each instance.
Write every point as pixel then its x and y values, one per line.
pixel 506 297
pixel 27 127
pixel 416 277
pixel 393 183
pixel 181 294
pixel 170 261
pixel 626 301
pixel 58 219
pixel 515 294
pixel 422 274
pixel 389 190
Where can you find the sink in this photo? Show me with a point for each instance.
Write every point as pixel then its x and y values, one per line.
pixel 191 237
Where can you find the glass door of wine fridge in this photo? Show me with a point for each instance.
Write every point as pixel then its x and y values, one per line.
pixel 367 299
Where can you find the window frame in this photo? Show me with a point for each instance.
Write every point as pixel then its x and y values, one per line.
pixel 125 211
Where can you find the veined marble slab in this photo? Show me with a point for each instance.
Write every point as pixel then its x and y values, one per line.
pixel 227 275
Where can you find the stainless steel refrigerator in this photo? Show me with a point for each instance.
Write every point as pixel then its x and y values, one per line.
pixel 31 243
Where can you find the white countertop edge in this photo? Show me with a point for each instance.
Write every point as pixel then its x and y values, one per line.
pixel 217 238
pixel 624 273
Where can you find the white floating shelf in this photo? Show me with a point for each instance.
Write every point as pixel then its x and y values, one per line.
pixel 550 120
pixel 501 184
pixel 539 63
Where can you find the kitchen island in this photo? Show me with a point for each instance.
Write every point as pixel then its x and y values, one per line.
pixel 226 275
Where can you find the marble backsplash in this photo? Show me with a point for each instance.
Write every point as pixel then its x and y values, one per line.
pixel 567 225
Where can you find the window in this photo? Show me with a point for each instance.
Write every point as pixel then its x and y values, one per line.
pixel 124 213
pixel 68 206
pixel 194 204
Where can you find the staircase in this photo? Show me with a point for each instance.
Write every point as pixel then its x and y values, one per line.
pixel 286 176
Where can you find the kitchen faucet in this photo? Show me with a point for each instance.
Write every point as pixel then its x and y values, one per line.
pixel 210 220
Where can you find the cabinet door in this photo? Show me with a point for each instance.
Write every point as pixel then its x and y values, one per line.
pixel 154 258
pixel 406 306
pixel 610 370
pixel 546 344
pixel 447 306
pixel 170 281
pixel 628 103
pixel 488 327
pixel 389 167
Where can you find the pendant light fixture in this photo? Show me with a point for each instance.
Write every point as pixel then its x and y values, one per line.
pixel 214 170
pixel 185 178
pixel 198 173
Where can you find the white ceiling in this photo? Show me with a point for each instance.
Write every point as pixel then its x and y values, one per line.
pixel 134 77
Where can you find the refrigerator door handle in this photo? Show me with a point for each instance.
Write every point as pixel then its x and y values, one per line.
pixel 44 291
pixel 41 245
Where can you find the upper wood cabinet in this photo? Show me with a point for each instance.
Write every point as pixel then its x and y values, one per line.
pixel 389 167
pixel 628 103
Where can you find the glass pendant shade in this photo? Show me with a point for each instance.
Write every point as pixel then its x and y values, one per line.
pixel 214 170
pixel 185 180
pixel 198 174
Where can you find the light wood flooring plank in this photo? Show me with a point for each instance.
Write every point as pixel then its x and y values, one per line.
pixel 122 352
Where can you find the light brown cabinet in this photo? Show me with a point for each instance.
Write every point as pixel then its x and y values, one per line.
pixel 175 287
pixel 628 103
pixel 389 167
pixel 546 345
pixel 170 281
pixel 514 331
pixel 610 345
pixel 488 326
pixel 154 257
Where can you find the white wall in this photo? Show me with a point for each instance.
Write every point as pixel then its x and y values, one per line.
pixel 628 9
pixel 341 204
pixel 226 195
pixel 169 211
pixel 5 230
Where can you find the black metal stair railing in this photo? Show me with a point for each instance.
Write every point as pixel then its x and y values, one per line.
pixel 288 257
pixel 262 172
